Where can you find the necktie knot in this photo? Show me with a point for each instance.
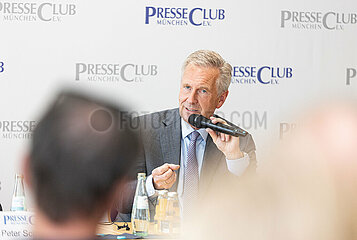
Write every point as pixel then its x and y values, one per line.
pixel 194 136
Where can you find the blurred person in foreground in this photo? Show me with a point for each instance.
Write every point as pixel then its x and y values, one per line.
pixel 182 158
pixel 307 190
pixel 80 154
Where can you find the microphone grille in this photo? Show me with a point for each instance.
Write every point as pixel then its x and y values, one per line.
pixel 193 119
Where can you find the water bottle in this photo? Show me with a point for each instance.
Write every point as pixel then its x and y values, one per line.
pixel 160 209
pixel 140 215
pixel 18 197
pixel 171 222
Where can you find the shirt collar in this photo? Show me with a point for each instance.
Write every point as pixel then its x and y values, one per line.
pixel 187 130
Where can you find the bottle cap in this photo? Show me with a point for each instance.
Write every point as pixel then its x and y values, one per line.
pixel 141 175
pixel 162 192
pixel 172 194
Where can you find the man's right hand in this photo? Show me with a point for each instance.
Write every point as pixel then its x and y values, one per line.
pixel 164 176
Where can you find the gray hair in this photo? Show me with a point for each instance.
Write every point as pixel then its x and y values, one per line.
pixel 208 58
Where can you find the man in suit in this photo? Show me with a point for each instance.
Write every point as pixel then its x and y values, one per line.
pixel 179 157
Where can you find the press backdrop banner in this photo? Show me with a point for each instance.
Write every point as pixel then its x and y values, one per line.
pixel 286 55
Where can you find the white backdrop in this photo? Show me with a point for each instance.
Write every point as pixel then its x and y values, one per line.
pixel 45 45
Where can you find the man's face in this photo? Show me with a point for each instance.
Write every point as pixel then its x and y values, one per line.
pixel 198 92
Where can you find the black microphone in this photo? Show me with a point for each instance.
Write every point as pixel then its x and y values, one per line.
pixel 200 121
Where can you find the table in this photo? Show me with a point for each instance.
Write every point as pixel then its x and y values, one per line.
pixel 112 229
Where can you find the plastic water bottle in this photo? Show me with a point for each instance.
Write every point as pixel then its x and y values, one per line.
pixel 140 215
pixel 171 223
pixel 18 198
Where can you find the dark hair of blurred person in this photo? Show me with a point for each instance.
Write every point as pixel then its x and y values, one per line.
pixel 80 155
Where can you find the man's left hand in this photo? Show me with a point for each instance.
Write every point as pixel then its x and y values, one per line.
pixel 229 145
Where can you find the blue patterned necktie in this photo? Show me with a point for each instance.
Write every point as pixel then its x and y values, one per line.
pixel 191 175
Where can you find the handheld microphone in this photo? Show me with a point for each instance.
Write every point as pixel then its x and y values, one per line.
pixel 200 121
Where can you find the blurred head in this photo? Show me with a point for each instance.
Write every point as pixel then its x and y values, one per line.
pixel 80 152
pixel 204 85
pixel 305 190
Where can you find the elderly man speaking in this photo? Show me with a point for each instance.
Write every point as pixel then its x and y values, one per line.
pixel 176 155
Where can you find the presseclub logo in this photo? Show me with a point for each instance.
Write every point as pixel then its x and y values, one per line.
pixel 34 11
pixel 16 129
pixel 113 72
pixel 183 16
pixel 316 20
pixel 266 75
pixel 2 67
pixel 351 74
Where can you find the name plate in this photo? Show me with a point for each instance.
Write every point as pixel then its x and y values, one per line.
pixel 16 225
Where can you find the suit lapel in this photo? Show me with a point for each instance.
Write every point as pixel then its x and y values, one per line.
pixel 170 138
